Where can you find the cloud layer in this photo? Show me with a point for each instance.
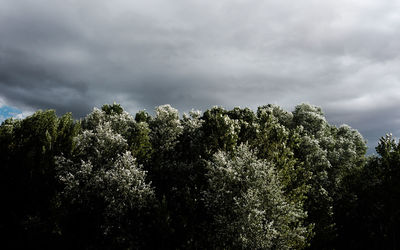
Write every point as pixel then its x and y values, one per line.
pixel 72 55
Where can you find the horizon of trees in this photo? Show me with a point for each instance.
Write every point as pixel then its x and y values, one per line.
pixel 221 179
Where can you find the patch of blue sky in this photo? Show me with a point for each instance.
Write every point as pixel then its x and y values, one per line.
pixel 7 112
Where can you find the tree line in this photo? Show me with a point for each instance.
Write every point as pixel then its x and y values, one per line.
pixel 222 179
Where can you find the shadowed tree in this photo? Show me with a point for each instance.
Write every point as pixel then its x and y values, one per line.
pixel 368 215
pixel 28 178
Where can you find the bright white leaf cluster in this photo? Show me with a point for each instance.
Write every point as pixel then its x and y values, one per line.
pixel 165 128
pixel 248 205
pixel 103 170
pixel 120 123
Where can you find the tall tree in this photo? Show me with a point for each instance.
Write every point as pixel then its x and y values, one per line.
pixel 248 207
pixel 368 214
pixel 28 178
pixel 329 154
pixel 105 201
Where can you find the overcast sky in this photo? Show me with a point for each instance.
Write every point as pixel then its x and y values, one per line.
pixel 72 55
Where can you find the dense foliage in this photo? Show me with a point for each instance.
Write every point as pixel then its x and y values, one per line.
pixel 222 179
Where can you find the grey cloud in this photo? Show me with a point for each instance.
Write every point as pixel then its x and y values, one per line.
pixel 73 55
pixel 32 83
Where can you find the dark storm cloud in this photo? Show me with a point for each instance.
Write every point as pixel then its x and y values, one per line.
pixel 72 55
pixel 30 81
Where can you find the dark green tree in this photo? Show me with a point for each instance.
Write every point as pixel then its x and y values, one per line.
pixel 222 179
pixel 28 177
pixel 219 131
pixel 368 215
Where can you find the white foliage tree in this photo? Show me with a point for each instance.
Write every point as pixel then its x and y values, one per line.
pixel 330 154
pixel 120 120
pixel 102 177
pixel 166 127
pixel 248 207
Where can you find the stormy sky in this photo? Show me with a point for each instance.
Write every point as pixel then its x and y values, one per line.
pixel 72 55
